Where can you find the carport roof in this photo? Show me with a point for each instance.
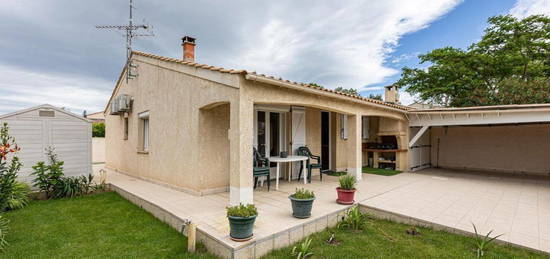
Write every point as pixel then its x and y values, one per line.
pixel 484 108
pixel 482 115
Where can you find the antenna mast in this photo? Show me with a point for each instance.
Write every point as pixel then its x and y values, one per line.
pixel 131 32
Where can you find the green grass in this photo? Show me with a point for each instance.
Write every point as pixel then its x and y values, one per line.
pixel 385 239
pixel 336 173
pixel 378 171
pixel 95 226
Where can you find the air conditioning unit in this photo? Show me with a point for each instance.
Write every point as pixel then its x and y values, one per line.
pixel 121 104
pixel 114 107
pixel 124 103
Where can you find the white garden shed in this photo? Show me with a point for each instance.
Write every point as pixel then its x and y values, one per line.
pixel 42 126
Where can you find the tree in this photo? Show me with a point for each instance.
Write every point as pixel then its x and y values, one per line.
pixel 316 85
pixel 98 130
pixel 375 96
pixel 351 91
pixel 509 65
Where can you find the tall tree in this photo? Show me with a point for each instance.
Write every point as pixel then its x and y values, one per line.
pixel 509 65
pixel 351 91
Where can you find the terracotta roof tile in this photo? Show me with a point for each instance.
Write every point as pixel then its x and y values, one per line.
pixel 244 72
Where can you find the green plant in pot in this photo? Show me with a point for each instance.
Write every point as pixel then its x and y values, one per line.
pixel 241 221
pixel 302 202
pixel 346 190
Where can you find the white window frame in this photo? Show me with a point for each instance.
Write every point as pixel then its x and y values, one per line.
pixel 145 130
pixel 344 126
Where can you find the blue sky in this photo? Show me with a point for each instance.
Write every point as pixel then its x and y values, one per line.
pixel 52 53
pixel 459 28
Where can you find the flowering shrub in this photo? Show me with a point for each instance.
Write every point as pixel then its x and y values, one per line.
pixel 9 165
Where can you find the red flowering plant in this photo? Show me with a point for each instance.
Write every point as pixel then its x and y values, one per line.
pixel 9 165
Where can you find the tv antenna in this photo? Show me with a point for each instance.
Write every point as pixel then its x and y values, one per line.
pixel 132 31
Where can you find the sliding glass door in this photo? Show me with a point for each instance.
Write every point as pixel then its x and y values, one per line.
pixel 269 132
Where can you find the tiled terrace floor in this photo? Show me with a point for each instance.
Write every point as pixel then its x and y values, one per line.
pixel 517 207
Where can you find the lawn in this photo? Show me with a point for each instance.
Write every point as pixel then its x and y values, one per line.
pixel 95 226
pixel 378 171
pixel 386 239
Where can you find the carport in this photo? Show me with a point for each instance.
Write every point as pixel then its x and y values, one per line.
pixel 505 138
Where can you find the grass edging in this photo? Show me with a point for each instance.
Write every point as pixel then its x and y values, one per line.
pixel 400 218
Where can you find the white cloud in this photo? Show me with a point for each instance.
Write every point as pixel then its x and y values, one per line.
pixel 340 45
pixel 406 98
pixel 22 89
pixel 524 8
pixel 327 42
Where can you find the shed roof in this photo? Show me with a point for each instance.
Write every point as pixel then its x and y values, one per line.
pixel 43 106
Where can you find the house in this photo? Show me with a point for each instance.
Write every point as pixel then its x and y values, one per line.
pixel 96 117
pixel 43 126
pixel 192 127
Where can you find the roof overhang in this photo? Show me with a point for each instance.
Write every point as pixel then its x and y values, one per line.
pixel 504 114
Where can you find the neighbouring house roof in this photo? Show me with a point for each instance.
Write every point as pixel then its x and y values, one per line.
pixel 43 106
pixel 255 75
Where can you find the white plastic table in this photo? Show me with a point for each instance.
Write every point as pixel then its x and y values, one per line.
pixel 288 159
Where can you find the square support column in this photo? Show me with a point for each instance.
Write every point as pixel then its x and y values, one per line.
pixel 241 138
pixel 354 146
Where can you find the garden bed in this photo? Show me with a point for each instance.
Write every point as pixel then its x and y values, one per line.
pixel 101 226
pixel 386 239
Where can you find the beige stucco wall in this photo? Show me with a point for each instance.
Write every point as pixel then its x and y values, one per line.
pixel 173 96
pixel 523 148
pixel 201 126
pixel 313 130
pixel 98 150
pixel 214 147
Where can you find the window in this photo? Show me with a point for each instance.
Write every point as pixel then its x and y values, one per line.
pixel 125 128
pixel 146 134
pixel 144 131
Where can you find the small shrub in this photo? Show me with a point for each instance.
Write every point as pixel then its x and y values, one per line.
pixel 303 250
pixel 48 177
pixel 3 233
pixel 347 182
pixel 354 219
pixel 242 210
pixel 98 130
pixel 303 194
pixel 51 180
pixel 19 197
pixel 483 241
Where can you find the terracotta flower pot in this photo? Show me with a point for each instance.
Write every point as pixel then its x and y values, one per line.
pixel 345 196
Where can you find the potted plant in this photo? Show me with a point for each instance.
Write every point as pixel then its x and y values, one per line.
pixel 346 190
pixel 241 221
pixel 302 202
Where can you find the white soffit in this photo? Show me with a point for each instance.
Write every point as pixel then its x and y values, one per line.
pixel 478 117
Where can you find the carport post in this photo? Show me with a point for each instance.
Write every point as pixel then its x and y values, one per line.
pixel 418 135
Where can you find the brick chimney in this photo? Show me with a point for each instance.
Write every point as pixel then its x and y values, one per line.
pixel 188 44
pixel 391 94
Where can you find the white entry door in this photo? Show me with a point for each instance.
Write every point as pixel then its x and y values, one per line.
pixel 298 134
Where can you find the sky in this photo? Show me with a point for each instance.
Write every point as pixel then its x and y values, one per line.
pixel 51 52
